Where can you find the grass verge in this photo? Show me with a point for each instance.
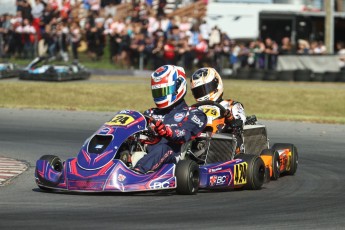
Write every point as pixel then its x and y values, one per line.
pixel 312 102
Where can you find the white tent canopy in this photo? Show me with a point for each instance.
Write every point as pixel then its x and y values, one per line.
pixel 241 21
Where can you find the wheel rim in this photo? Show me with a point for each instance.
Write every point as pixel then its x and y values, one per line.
pixel 194 178
pixel 57 166
pixel 261 174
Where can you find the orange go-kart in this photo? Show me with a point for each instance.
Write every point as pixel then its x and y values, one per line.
pixel 279 159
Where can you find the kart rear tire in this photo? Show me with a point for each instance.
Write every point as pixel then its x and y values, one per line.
pixel 56 164
pixel 275 162
pixel 187 177
pixel 255 171
pixel 294 156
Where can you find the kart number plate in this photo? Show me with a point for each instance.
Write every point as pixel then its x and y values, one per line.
pixel 240 173
pixel 121 120
pixel 211 111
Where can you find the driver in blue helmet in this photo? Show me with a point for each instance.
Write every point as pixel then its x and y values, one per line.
pixel 176 122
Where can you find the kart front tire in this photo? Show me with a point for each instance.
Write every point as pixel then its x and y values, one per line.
pixel 275 162
pixel 56 163
pixel 294 156
pixel 187 176
pixel 255 171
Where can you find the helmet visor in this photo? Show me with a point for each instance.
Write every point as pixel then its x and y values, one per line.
pixel 205 89
pixel 162 92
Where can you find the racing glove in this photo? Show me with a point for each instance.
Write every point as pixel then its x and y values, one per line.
pixel 228 114
pixel 163 130
pixel 236 123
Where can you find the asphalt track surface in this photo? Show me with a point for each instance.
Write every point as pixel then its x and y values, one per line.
pixel 311 199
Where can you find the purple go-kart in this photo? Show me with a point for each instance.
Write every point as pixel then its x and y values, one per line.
pixel 104 163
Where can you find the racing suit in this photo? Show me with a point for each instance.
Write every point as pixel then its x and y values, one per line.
pixel 235 121
pixel 185 122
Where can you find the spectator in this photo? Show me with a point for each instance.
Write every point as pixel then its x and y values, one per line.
pixel 271 52
pixel 75 39
pixel 62 32
pixel 100 40
pixel 65 10
pixel 341 53
pixel 303 47
pixel 28 37
pixel 123 55
pixel 200 51
pixel 259 50
pixel 161 8
pixel 24 8
pixel 158 52
pixel 169 52
pixel 110 9
pixel 49 38
pixel 37 13
pixel 137 47
pixel 215 36
pixel 286 47
pixel 317 47
pixel 205 30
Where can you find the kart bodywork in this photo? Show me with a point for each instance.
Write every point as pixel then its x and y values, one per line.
pixel 8 70
pixel 101 167
pixel 279 159
pixel 39 70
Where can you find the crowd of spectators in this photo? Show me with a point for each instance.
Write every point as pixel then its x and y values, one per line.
pixel 145 38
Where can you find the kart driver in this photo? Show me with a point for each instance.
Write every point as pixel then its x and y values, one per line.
pixel 176 122
pixel 206 84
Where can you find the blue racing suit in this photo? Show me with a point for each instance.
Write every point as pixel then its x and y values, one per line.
pixel 185 122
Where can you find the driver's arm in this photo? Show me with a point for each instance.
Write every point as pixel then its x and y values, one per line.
pixel 190 127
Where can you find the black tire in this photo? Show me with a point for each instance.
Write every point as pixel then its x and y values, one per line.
pixel 255 171
pixel 294 156
pixel 56 164
pixel 187 176
pixel 275 162
pixel 45 188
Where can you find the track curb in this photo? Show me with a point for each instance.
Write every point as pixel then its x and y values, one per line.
pixel 10 168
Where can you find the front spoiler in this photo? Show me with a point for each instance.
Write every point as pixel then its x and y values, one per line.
pixel 113 177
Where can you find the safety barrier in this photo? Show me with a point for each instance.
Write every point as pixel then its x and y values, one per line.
pixel 288 75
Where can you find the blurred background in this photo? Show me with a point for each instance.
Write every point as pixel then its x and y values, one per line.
pixel 233 36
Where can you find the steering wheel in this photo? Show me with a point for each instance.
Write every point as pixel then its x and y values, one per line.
pixel 223 112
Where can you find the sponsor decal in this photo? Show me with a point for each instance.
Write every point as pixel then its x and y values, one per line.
pixel 162 185
pixel 240 171
pixel 180 133
pixel 179 117
pixel 213 180
pixel 161 69
pixel 98 146
pixel 218 180
pixel 121 120
pixel 106 130
pixel 197 120
pixel 121 177
pixel 158 74
pixel 214 170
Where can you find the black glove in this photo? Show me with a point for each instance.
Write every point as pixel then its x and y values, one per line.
pixel 236 123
